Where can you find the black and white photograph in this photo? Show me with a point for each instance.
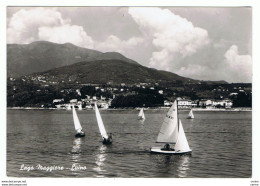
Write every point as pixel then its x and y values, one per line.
pixel 129 92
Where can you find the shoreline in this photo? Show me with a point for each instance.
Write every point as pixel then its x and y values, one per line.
pixel 239 109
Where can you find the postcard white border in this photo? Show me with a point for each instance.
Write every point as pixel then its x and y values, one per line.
pixel 134 181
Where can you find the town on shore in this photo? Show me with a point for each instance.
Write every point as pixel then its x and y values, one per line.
pixel 24 94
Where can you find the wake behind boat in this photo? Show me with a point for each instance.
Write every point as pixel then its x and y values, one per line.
pixel 172 132
pixel 191 115
pixel 77 124
pixel 141 115
pixel 106 139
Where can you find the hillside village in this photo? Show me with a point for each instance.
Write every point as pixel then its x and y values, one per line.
pixel 62 95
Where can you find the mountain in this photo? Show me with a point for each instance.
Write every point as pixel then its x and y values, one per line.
pixel 105 71
pixel 40 56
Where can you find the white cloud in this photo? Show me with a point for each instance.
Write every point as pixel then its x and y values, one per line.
pixel 234 68
pixel 192 70
pixel 28 25
pixel 66 33
pixel 238 67
pixel 170 34
pixel 114 44
pixel 163 58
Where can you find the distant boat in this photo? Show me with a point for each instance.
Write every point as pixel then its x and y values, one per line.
pixel 106 139
pixel 77 124
pixel 80 107
pixel 141 115
pixel 172 132
pixel 190 116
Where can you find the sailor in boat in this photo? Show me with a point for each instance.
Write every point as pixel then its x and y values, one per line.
pixel 107 140
pixel 80 133
pixel 167 147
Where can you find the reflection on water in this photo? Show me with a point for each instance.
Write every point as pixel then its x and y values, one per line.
pixel 184 163
pixel 172 165
pixel 76 150
pixel 141 122
pixel 76 153
pixel 100 161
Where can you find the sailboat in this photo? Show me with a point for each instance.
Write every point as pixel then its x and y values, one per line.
pixel 106 139
pixel 80 107
pixel 141 115
pixel 172 132
pixel 190 116
pixel 77 124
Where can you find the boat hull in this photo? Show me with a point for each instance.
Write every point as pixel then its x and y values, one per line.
pixel 190 117
pixel 107 141
pixel 79 135
pixel 159 150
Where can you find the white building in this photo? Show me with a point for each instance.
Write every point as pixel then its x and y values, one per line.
pixel 227 103
pixel 183 103
pixel 57 100
pixel 160 91
pixel 206 103
pixel 167 103
pixel 103 104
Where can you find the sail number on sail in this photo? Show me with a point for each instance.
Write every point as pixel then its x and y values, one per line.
pixel 171 117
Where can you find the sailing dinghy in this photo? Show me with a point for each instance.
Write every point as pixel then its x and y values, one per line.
pixel 77 124
pixel 106 139
pixel 172 132
pixel 141 115
pixel 190 116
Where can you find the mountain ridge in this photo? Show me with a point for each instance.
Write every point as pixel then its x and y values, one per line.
pixel 110 72
pixel 40 56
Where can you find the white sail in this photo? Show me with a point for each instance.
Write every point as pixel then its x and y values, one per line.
pixel 191 116
pixel 100 123
pixel 182 143
pixel 169 129
pixel 141 114
pixel 80 107
pixel 76 120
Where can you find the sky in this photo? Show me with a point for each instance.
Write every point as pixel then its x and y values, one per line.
pixel 204 43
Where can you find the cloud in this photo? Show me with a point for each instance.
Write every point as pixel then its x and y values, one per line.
pixel 66 33
pixel 233 68
pixel 28 25
pixel 113 43
pixel 238 67
pixel 170 33
pixel 193 70
pixel 163 57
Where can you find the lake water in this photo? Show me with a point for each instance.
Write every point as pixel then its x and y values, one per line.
pixel 39 139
